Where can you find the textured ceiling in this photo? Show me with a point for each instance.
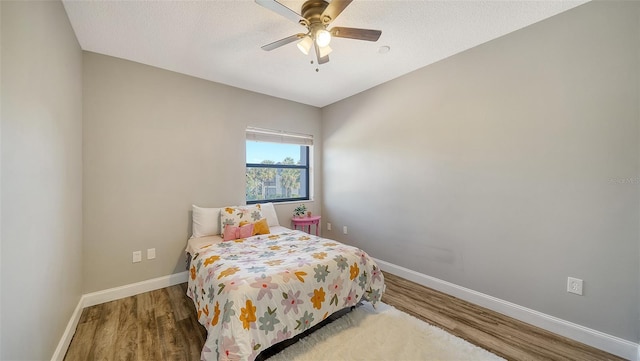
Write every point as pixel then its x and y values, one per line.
pixel 220 40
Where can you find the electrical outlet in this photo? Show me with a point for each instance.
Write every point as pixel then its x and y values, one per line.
pixel 574 285
pixel 328 226
pixel 137 256
pixel 344 230
pixel 151 253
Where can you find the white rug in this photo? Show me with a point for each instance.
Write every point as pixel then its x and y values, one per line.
pixel 381 334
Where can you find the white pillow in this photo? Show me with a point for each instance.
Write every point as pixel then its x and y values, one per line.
pixel 206 221
pixel 269 212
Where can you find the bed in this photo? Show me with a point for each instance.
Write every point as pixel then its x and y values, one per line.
pixel 254 292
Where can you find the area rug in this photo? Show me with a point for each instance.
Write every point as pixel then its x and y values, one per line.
pixel 385 334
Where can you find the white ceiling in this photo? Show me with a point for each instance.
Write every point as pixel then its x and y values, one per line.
pixel 220 40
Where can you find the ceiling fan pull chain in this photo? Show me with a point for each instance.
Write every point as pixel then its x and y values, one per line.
pixel 317 67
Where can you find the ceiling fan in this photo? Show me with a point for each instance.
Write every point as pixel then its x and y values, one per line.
pixel 316 15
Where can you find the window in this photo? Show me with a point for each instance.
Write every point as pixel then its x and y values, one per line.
pixel 277 166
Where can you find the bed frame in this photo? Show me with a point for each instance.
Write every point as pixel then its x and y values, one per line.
pixel 277 348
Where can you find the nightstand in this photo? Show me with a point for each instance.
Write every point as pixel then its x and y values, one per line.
pixel 306 222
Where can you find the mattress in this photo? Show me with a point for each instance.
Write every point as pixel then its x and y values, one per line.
pixel 195 244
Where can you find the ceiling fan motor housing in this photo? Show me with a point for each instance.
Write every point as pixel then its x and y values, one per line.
pixel 312 11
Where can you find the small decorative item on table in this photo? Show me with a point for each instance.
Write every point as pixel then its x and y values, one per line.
pixel 299 211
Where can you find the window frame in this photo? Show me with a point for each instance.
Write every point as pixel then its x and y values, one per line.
pixel 305 168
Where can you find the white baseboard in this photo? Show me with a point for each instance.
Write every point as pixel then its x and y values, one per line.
pixel 591 337
pixel 112 294
pixel 65 341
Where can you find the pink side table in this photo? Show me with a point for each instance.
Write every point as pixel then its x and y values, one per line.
pixel 306 222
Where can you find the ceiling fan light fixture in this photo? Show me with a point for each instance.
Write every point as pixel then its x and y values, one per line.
pixel 323 38
pixel 316 16
pixel 305 45
pixel 325 50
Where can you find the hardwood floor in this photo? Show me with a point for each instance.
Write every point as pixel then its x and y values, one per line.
pixel 162 325
pixel 502 335
pixel 156 325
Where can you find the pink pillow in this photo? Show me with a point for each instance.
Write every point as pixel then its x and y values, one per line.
pixel 235 232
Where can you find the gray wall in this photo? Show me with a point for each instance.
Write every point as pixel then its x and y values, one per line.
pixel 506 168
pixel 41 162
pixel 154 143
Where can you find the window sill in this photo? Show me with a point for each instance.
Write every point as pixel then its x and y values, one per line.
pixel 287 202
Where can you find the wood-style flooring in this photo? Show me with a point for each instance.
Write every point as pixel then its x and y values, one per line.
pixel 162 325
pixel 502 335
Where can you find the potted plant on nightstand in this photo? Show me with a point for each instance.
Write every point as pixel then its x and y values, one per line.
pixel 299 211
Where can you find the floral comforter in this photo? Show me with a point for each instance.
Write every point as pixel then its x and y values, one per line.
pixel 255 292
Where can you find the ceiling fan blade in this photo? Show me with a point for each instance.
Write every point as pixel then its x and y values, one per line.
pixel 276 7
pixel 353 33
pixel 281 42
pixel 324 59
pixel 334 9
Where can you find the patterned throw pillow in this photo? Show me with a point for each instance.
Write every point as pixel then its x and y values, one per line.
pixel 234 215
